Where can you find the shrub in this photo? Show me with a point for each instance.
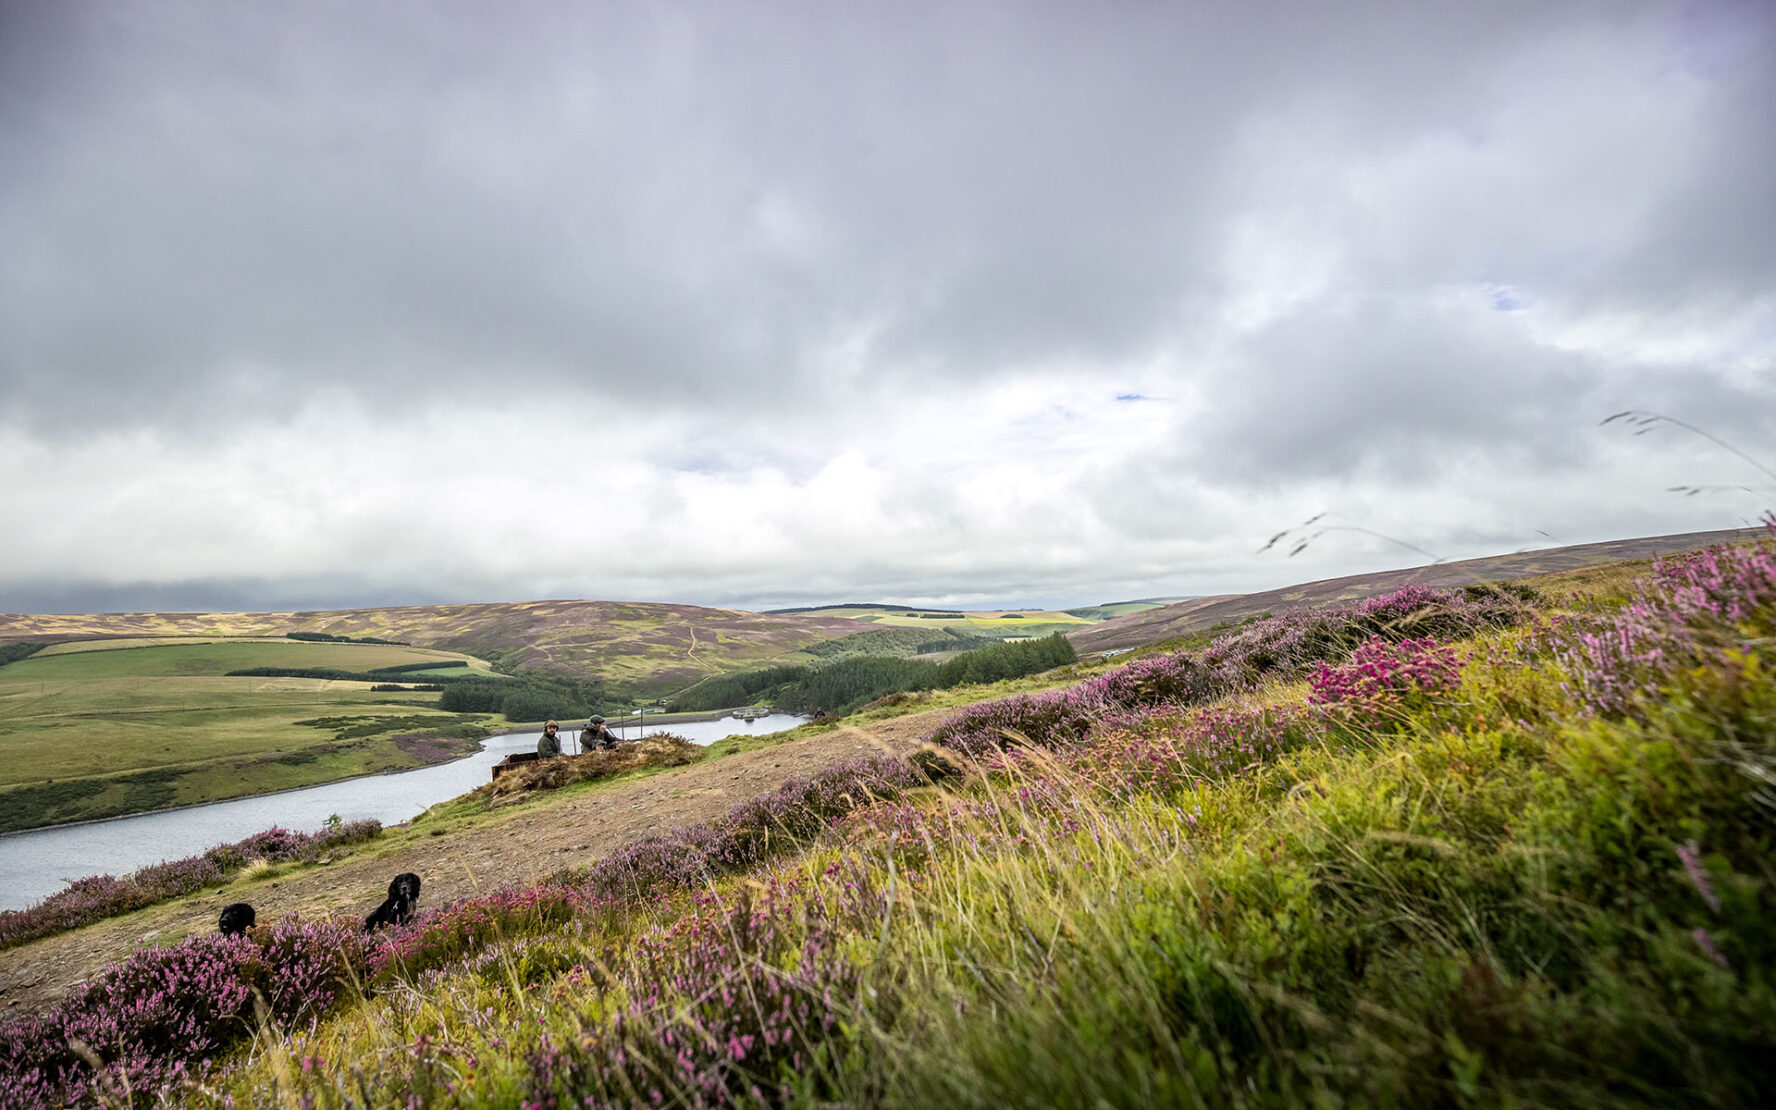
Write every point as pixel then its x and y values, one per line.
pixel 1285 644
pixel 723 1015
pixel 1051 719
pixel 99 896
pixel 148 1019
pixel 1690 610
pixel 551 774
pixel 1383 680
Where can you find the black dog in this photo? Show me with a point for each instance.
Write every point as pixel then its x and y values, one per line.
pixel 398 909
pixel 236 919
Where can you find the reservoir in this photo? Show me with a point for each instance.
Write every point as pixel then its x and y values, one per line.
pixel 36 864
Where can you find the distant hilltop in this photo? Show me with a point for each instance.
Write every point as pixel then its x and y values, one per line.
pixel 886 608
pixel 655 648
pixel 651 648
pixel 1201 613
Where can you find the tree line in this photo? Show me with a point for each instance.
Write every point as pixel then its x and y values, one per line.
pixel 839 687
pixel 404 668
pixel 329 638
pixel 530 696
pixel 381 674
pixel 12 653
pixel 899 641
pixel 534 696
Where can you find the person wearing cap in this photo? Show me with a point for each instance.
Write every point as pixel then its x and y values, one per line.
pixel 550 742
pixel 596 735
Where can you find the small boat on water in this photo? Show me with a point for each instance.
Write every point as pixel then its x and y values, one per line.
pixel 750 713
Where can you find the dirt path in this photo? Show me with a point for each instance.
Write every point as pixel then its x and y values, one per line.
pixel 533 842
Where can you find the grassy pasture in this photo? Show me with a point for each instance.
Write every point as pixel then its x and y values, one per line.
pixel 478 672
pixel 651 648
pixel 1115 609
pixel 990 622
pixel 74 647
pixel 217 658
pixel 98 733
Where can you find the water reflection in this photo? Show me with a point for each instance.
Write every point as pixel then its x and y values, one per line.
pixel 36 864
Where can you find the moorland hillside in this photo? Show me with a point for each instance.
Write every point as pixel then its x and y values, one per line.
pixel 648 647
pixel 1199 614
pixel 1505 847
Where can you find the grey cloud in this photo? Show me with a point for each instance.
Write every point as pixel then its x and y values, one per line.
pixel 236 595
pixel 402 198
pixel 700 215
pixel 1389 390
pixel 1385 393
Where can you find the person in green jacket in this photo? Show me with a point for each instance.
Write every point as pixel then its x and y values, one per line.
pixel 550 743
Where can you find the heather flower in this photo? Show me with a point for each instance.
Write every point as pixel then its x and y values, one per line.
pixel 1051 719
pixel 1706 943
pixel 1691 856
pixel 1288 644
pixel 1383 678
pixel 99 896
pixel 724 1006
pixel 1692 608
pixel 145 1021
pixel 1162 755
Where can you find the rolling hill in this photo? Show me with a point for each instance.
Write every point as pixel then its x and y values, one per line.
pixel 1201 613
pixel 651 648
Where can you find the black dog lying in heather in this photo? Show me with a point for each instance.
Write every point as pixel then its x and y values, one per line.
pixel 236 919
pixel 398 909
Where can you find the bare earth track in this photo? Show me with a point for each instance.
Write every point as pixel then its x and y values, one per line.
pixel 536 841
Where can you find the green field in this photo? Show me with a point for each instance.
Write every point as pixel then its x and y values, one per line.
pixel 170 658
pixel 991 622
pixel 119 643
pixel 98 728
pixel 138 712
pixel 1117 609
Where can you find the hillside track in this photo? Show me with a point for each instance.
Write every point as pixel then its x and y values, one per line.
pixel 534 842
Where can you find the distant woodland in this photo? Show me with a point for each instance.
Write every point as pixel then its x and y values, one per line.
pixel 839 687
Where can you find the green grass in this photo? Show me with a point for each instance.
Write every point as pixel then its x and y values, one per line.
pixel 1478 900
pixel 1112 611
pixel 451 671
pixel 171 659
pixel 100 733
pixel 76 647
pixel 1033 622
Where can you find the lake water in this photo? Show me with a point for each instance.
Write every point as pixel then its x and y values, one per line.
pixel 36 864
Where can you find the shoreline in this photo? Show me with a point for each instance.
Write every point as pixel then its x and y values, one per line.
pixel 480 746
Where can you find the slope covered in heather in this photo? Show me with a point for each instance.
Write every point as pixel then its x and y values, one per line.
pixel 1431 848
pixel 1197 614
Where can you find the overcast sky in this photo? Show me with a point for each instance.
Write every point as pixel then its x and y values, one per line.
pixel 335 304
